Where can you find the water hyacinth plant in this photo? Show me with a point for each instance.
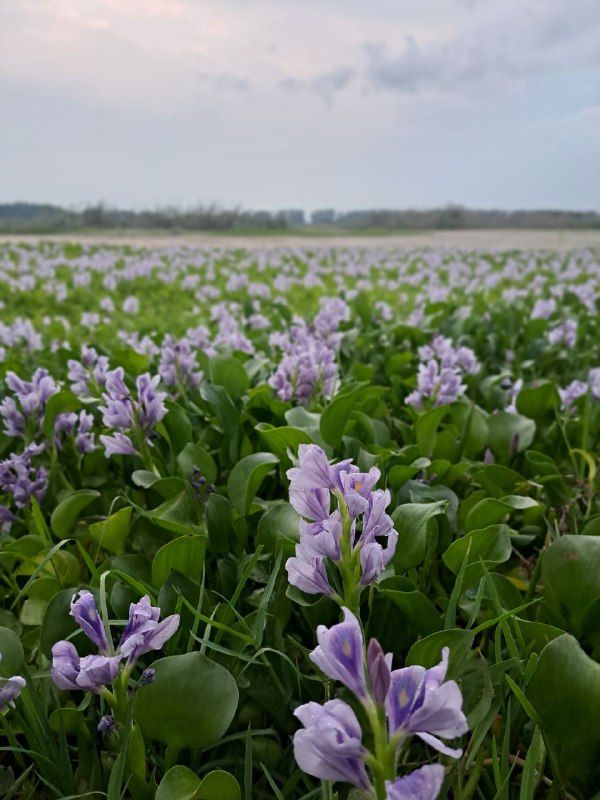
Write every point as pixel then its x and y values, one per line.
pixel 299 523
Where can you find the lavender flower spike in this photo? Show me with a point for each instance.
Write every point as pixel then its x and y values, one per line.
pixel 339 653
pixel 422 784
pixel 329 746
pixel 10 691
pixel 85 613
pixel 421 702
pixel 144 632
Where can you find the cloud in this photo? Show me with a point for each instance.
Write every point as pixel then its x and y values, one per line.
pixel 226 81
pixel 504 46
pixel 326 84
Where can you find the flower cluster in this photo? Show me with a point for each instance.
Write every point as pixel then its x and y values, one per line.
pixel 19 478
pixel 564 333
pixel 308 366
pixel 178 364
pixel 77 425
pixel 88 376
pixel 349 536
pixel 132 420
pixel 23 413
pixel 93 673
pixel 439 378
pixel 398 704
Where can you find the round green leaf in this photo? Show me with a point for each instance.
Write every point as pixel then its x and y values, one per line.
pixel 190 703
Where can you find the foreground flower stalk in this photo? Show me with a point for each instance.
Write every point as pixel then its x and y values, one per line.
pixel 398 704
pixel 347 540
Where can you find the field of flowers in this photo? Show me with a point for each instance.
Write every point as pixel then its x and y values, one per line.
pixel 299 523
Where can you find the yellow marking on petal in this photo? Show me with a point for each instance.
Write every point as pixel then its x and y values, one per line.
pixel 347 647
pixel 403 698
pixel 358 486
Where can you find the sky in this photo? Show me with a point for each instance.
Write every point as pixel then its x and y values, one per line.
pixel 301 103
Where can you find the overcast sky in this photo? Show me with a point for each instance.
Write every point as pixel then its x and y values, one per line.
pixel 301 103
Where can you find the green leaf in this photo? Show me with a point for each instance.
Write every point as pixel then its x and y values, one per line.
pixel 534 766
pixel 178 514
pixel 337 412
pixel 426 428
pixel 180 783
pixel 192 456
pixel 278 528
pixel 144 478
pixel 190 703
pixel 12 653
pixel 509 433
pixel 565 693
pixel 246 477
pixel 178 426
pixel 412 521
pixel 417 611
pixel 491 544
pixel 538 401
pixel 230 373
pixel 186 555
pixel 491 511
pixel 219 785
pixel 68 510
pixel 112 532
pixel 278 440
pixel 60 403
pixel 428 651
pixel 571 574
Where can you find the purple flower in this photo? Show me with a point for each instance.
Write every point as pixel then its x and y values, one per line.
pixel 564 333
pixel 84 438
pixel 9 692
pixel 311 503
pixel 329 745
pixel 150 402
pixel 543 309
pixel 144 632
pixel 119 411
pixel 422 784
pixel 25 420
pixel 178 364
pixel 307 572
pixel 379 670
pixel 88 375
pixel 90 673
pixel 65 665
pixel 85 613
pixel 421 702
pixel 323 537
pixel 570 394
pixel 21 479
pixel 106 725
pixel 313 471
pixel 357 487
pixel 96 672
pixel 594 382
pixel 339 653
pixel 374 558
pixel 117 444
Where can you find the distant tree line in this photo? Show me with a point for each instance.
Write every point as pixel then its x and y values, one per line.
pixel 40 218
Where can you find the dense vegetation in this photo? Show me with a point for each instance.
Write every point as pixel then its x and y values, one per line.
pixel 39 218
pixel 208 454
